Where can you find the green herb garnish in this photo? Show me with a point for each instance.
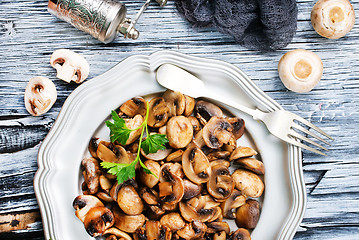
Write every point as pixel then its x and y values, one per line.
pixel 119 132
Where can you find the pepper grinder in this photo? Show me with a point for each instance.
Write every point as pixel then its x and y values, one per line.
pixel 103 19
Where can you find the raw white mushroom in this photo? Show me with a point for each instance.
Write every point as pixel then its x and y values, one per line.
pixel 40 95
pixel 70 65
pixel 300 70
pixel 333 18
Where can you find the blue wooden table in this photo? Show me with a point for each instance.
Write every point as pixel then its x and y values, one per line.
pixel 29 35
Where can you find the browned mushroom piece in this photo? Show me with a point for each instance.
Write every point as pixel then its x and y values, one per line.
pixel 93 147
pixel 190 103
pixel 230 146
pixel 238 126
pixel 231 204
pixel 105 183
pixel 220 184
pixel 148 179
pixel 198 208
pixel 213 227
pixel 134 106
pixel 109 152
pixel 248 183
pixel 157 156
pixel 118 233
pixel 129 201
pixel 219 236
pixel 241 234
pixel 152 231
pixel 205 110
pixel 127 223
pixel 193 230
pixel 195 124
pixel 217 215
pixel 191 189
pixel 217 132
pixel 134 123
pixel 179 131
pixel 175 156
pixel 92 174
pixel 218 155
pixel 111 237
pixel 196 165
pixel 105 197
pixel 248 214
pixel 84 203
pixel 242 152
pixel 97 220
pixel 158 112
pixel 171 188
pixel 251 164
pixel 173 221
pixel 220 162
pixel 151 199
pixel 175 101
pixel 198 139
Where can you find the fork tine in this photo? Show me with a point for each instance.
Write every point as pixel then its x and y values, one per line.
pixel 297 135
pixel 300 128
pixel 311 125
pixel 301 145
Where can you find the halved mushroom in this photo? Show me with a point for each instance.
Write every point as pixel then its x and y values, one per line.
pixel 241 234
pixel 118 233
pixel 219 236
pixel 158 112
pixel 179 131
pixel 148 179
pixel 196 165
pixel 217 215
pixel 127 223
pixel 238 126
pixel 153 230
pixel 171 189
pixel 220 184
pixel 198 208
pixel 205 110
pixel 248 214
pixel 193 230
pixel 84 203
pixel 69 65
pixel 173 221
pixel 231 204
pixel 198 139
pixel 251 164
pixel 97 220
pixel 109 152
pixel 151 198
pixel 190 103
pixel 157 156
pixel 213 227
pixel 191 189
pixel 129 200
pixel 230 146
pixel 40 95
pixel 134 123
pixel 175 101
pixel 93 147
pixel 175 156
pixel 104 197
pixel 195 124
pixel 242 152
pixel 134 106
pixel 300 70
pixel 105 183
pixel 248 183
pixel 218 155
pixel 220 162
pixel 333 18
pixel 217 132
pixel 92 174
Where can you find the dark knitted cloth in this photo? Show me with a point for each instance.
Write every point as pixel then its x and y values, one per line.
pixel 256 24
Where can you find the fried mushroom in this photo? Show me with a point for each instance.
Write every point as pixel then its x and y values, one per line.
pixel 171 188
pixel 220 184
pixel 248 183
pixel 179 131
pixel 231 204
pixel 175 101
pixel 92 174
pixel 129 201
pixel 196 165
pixel 134 106
pixel 83 204
pixel 248 214
pixel 158 112
pixel 97 220
pixel 173 221
pixel 148 179
pixel 217 132
pixel 241 234
pixel 242 152
pixel 127 223
pixel 205 110
pixel 193 230
pixel 251 164
pixel 109 152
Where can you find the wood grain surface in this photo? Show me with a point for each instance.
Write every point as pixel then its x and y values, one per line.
pixel 29 35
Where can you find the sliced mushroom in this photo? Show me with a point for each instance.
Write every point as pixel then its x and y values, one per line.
pixel 69 65
pixel 190 103
pixel 191 189
pixel 218 155
pixel 175 101
pixel 193 230
pixel 158 112
pixel 198 139
pixel 213 227
pixel 231 204
pixel 97 220
pixel 148 179
pixel 205 110
pixel 40 95
pixel 129 200
pixel 241 234
pixel 127 223
pixel 217 215
pixel 220 162
pixel 173 221
pixel 196 165
pixel 93 172
pixel 151 198
pixel 195 124
pixel 154 231
pixel 175 156
pixel 157 156
pixel 238 126
pixel 84 203
pixel 198 208
pixel 220 184
pixel 248 183
pixel 118 233
pixel 105 183
pixel 134 123
pixel 134 106
pixel 179 131
pixel 117 154
pixel 111 237
pixel 217 132
pixel 104 197
pixel 93 147
pixel 219 236
pixel 300 70
pixel 174 168
pixel 242 152
pixel 248 214
pixel 171 190
pixel 251 164
pixel 230 146
pixel 333 18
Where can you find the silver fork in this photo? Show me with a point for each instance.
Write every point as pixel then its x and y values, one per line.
pixel 280 123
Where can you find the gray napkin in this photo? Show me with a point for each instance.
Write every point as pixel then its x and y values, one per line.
pixel 264 25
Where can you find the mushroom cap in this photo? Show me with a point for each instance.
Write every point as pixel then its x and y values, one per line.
pixel 238 125
pixel 83 204
pixel 173 221
pixel 118 233
pixel 196 165
pixel 217 132
pixel 232 203
pixel 97 220
pixel 93 172
pixel 191 189
pixel 300 70
pixel 248 183
pixel 333 18
pixel 134 106
pixel 220 184
pixel 251 164
pixel 241 234
pixel 127 223
pixel 242 152
pixel 179 131
pixel 148 179
pixel 129 201
pixel 193 230
pixel 205 110
pixel 248 214
pixel 134 123
pixel 158 112
pixel 214 227
pixel 109 152
pixel 175 101
pixel 189 106
pixel 171 188
pixel 70 65
pixel 40 95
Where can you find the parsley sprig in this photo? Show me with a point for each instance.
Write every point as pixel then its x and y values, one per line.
pixel 120 132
